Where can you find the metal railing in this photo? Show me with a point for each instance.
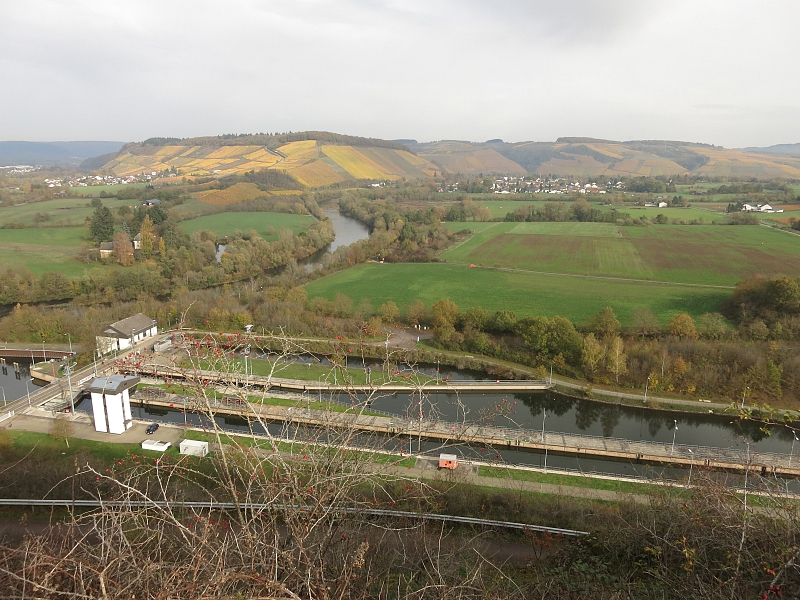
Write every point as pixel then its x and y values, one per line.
pixel 373 512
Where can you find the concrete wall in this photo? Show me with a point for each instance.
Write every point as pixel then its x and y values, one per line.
pixel 112 412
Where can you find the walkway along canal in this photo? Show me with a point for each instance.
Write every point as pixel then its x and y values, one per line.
pixel 464 432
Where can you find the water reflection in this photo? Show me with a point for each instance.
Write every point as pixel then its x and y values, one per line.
pixel 13 385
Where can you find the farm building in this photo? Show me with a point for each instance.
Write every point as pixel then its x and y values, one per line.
pixel 106 249
pixel 194 448
pixel 765 208
pixel 111 403
pixel 125 333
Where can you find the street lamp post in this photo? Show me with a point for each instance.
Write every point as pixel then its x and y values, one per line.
pixel 44 353
pixel 744 393
pixel 794 433
pixel 646 385
pixel 544 416
pixel 69 337
pixel 246 374
pixel 691 466
pixel 674 431
pixel 69 375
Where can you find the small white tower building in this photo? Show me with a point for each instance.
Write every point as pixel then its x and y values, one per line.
pixel 111 403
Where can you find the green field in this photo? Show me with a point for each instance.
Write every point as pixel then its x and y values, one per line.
pixel 500 208
pixel 701 254
pixel 96 190
pixel 456 226
pixel 574 297
pixel 62 212
pixel 227 223
pixel 682 214
pixel 70 237
pixel 192 208
pixel 45 249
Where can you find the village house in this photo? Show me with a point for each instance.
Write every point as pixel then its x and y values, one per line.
pixel 765 208
pixel 106 249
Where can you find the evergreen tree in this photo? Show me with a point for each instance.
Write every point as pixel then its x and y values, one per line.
pixel 102 227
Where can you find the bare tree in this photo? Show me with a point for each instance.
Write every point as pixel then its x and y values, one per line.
pixel 62 428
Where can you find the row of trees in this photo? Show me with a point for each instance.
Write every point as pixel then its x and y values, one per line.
pixel 580 210
pixel 688 357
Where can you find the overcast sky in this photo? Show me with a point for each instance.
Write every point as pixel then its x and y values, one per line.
pixel 722 72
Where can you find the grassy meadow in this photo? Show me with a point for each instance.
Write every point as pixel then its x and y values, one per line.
pixel 698 254
pixel 60 212
pixel 45 249
pixel 266 224
pixel 527 294
pixel 500 208
pixel 95 190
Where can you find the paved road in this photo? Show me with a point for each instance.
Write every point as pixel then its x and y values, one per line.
pixel 426 468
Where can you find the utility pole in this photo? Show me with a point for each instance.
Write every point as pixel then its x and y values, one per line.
pixel 674 431
pixel 544 416
pixel 68 370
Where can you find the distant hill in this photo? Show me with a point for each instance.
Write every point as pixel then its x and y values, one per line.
pixel 469 159
pixel 315 159
pixel 320 158
pixel 589 157
pixel 793 149
pixel 68 154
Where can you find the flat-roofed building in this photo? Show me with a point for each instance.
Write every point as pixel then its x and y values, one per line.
pixel 194 447
pixel 111 403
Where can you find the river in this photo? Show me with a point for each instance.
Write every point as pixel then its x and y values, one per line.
pixel 346 229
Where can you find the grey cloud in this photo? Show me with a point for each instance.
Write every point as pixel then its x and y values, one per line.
pixel 428 69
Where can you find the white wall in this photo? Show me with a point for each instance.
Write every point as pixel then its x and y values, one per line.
pixel 106 345
pixel 99 413
pixel 194 448
pixel 112 412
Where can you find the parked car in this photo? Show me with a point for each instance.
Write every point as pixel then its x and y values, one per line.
pixel 151 429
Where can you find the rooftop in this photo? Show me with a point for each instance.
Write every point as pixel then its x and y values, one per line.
pixel 113 384
pixel 131 325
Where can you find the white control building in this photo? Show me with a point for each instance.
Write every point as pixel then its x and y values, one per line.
pixel 111 403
